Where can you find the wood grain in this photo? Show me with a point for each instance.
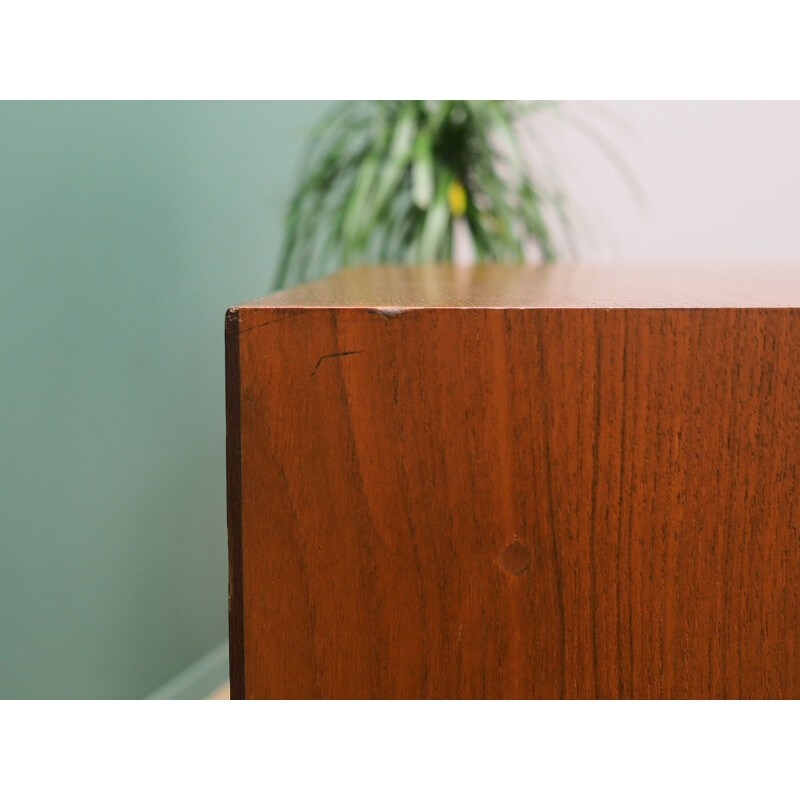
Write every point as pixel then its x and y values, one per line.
pixel 524 502
pixel 549 286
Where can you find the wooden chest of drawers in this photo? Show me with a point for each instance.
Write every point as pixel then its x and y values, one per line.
pixel 516 483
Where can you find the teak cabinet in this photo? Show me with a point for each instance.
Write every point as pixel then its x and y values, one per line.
pixel 516 482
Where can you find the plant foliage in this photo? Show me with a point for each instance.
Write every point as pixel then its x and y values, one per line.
pixel 387 181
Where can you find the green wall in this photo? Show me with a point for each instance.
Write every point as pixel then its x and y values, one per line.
pixel 126 229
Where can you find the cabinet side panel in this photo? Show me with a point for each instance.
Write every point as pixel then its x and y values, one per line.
pixel 233 439
pixel 520 503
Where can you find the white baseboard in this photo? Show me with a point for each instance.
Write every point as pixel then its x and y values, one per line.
pixel 198 680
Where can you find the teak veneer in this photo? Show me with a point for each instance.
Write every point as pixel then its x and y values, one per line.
pixel 516 482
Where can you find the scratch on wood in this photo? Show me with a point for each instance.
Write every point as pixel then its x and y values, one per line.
pixel 271 321
pixel 335 355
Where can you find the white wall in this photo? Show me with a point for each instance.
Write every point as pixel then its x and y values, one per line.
pixel 720 180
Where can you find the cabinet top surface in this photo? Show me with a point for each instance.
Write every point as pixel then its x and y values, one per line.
pixel 552 286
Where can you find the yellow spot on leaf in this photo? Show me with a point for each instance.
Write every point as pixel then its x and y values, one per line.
pixel 457 198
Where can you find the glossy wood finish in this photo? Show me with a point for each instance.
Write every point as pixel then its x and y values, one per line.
pixel 554 286
pixel 545 500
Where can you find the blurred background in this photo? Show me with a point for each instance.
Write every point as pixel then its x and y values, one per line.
pixel 128 228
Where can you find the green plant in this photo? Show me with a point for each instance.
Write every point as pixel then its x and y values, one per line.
pixel 388 181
